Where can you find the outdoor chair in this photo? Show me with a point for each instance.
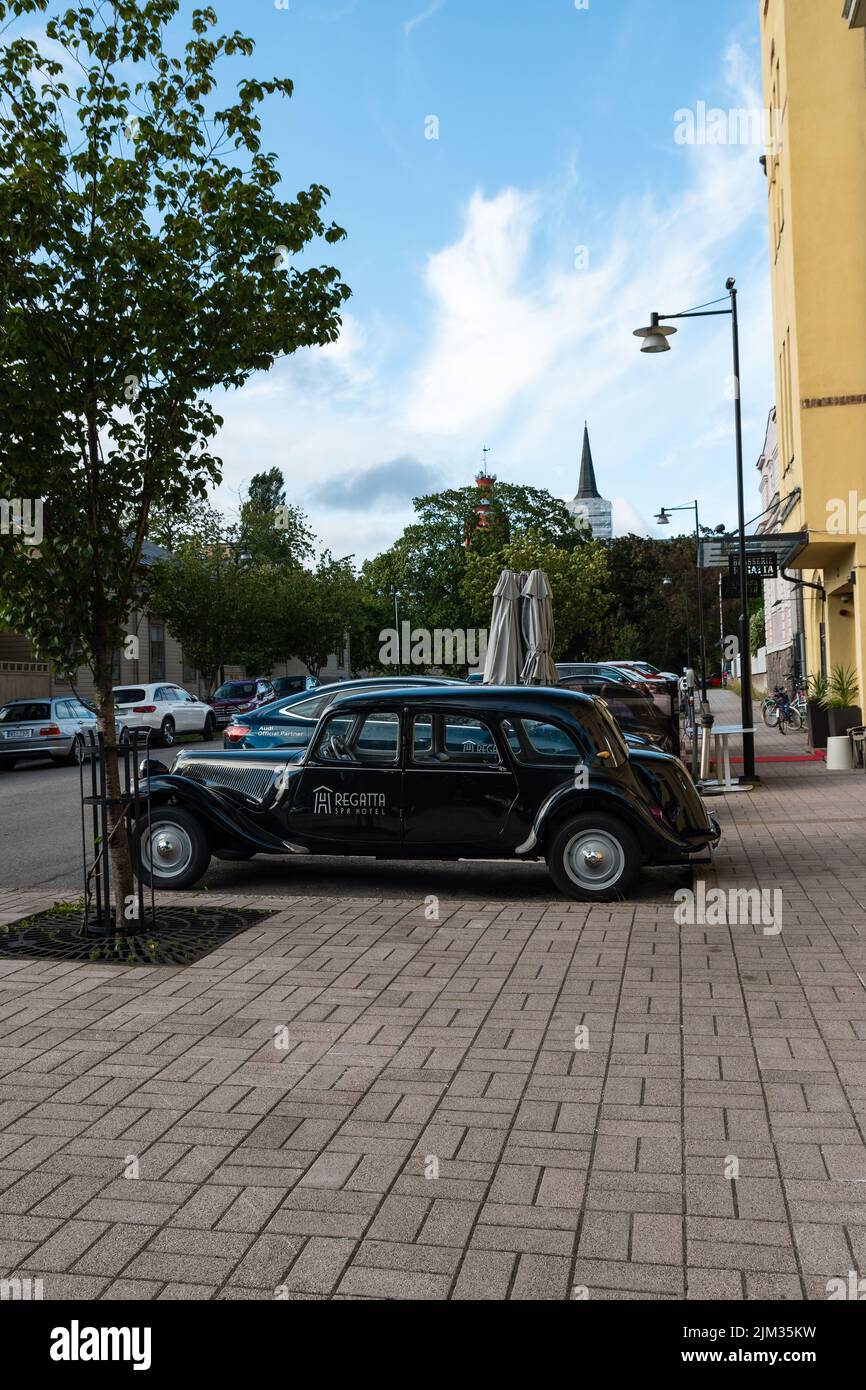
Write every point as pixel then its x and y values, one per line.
pixel 858 740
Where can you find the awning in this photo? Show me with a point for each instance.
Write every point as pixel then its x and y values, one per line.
pixel 787 546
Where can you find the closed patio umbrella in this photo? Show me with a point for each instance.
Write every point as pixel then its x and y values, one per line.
pixel 538 631
pixel 504 651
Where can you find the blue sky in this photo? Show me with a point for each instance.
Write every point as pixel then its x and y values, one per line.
pixel 474 319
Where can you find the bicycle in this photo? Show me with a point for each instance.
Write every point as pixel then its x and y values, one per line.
pixel 778 711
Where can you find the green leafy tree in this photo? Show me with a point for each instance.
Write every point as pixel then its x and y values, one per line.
pixel 146 261
pixel 757 630
pixel 579 578
pixel 428 563
pixel 271 529
pixel 325 609
pixel 662 620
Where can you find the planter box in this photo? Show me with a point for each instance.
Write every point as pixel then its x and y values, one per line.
pixel 841 720
pixel 818 723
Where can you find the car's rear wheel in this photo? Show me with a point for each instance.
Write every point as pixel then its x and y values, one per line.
pixel 166 733
pixel 594 858
pixel 209 728
pixel 75 756
pixel 175 850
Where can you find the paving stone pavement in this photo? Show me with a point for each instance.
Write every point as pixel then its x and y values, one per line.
pixel 525 1101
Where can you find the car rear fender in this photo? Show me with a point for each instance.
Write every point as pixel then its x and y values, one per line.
pixel 223 815
pixel 567 801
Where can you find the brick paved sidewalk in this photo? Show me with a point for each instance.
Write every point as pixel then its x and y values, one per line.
pixel 415 1047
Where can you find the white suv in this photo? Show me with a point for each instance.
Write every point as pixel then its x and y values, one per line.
pixel 166 709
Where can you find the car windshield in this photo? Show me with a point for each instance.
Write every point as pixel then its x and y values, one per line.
pixel 128 697
pixel 24 713
pixel 236 690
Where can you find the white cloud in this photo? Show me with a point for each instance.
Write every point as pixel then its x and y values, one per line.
pixel 415 23
pixel 518 346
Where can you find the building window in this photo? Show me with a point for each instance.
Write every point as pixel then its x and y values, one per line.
pixel 190 674
pixel 157 650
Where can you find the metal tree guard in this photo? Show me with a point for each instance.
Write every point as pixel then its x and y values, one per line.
pixel 96 860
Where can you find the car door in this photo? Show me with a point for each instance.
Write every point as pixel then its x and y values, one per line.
pixel 193 713
pixel 179 708
pixel 65 719
pixel 458 785
pixel 85 722
pixel 348 795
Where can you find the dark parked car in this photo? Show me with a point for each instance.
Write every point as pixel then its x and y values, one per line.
pixel 58 728
pixel 443 773
pixel 293 685
pixel 290 723
pixel 239 697
pixel 634 712
pixel 606 670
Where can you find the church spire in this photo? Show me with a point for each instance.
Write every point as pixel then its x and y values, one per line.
pixel 587 487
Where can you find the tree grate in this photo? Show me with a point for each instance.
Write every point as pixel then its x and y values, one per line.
pixel 182 936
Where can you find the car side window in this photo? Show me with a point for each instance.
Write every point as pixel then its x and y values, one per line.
pixel 64 710
pixel 306 709
pixel 162 695
pixel 378 739
pixel 345 739
pixel 455 740
pixel 537 740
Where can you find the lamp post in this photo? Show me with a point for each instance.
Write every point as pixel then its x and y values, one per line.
pixel 655 339
pixel 396 597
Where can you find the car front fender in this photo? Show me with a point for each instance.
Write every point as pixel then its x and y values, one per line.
pixel 218 811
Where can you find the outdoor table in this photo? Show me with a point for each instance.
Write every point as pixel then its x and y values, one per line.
pixel 721 733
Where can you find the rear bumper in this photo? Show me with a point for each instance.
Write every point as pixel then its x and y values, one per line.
pixel 38 748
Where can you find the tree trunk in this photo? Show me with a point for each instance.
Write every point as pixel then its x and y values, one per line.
pixel 118 848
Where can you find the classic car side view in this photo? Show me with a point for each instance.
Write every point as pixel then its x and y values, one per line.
pixel 436 773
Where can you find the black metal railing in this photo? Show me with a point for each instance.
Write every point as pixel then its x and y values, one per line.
pixel 99 913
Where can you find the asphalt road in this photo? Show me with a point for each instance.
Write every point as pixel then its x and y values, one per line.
pixel 40 847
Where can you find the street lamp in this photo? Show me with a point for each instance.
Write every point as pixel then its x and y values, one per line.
pixel 655 339
pixel 664 519
pixel 396 597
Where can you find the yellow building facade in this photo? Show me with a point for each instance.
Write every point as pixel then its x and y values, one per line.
pixel 814 69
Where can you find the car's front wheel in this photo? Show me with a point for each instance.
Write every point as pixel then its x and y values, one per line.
pixel 175 850
pixel 209 728
pixel 594 858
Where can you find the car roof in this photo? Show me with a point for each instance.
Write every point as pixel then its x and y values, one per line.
pixel 482 696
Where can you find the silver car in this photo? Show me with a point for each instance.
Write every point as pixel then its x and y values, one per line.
pixel 57 727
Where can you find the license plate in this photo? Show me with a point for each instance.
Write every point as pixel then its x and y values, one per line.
pixel 17 733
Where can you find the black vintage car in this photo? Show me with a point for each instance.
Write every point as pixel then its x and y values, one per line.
pixel 437 773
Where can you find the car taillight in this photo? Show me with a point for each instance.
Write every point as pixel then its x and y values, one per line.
pixel 50 731
pixel 235 732
pixel 144 709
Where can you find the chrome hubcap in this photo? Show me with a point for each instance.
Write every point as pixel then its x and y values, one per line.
pixel 167 851
pixel 594 859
